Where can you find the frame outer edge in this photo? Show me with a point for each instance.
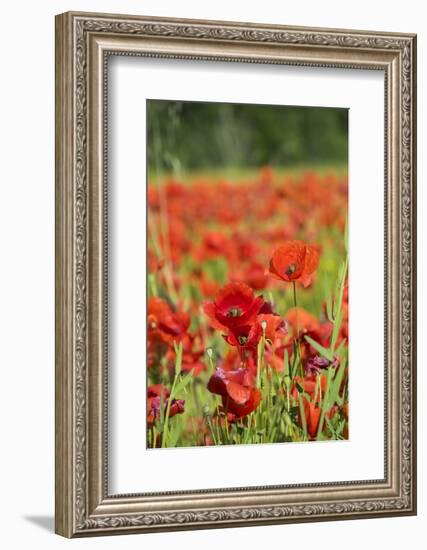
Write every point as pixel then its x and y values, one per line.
pixel 64 237
pixel 413 159
pixel 73 361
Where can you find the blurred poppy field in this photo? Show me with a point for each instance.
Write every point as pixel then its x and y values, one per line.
pixel 247 275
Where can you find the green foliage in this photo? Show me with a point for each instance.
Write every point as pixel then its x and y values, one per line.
pixel 196 135
pixel 281 415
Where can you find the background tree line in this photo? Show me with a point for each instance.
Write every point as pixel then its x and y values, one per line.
pixel 197 135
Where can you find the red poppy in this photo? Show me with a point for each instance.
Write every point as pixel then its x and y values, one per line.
pixel 163 324
pixel 241 410
pixel 312 408
pixel 235 305
pixel 294 261
pixel 305 320
pixel 274 324
pixel 253 275
pixel 156 390
pixel 155 395
pixel 312 417
pixel 308 325
pixel 318 363
pixel 239 396
pixel 208 288
pixel 312 412
pixel 233 360
pixel 309 384
pixel 191 355
pixel 215 244
pixel 245 338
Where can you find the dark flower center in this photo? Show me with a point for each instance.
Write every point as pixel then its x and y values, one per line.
pixel 242 340
pixel 290 269
pixel 234 312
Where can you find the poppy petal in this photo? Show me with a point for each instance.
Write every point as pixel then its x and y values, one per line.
pixel 238 393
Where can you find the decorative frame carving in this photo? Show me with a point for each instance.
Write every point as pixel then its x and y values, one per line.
pixel 83 43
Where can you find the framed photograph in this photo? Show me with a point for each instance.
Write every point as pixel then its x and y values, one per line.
pixel 235 274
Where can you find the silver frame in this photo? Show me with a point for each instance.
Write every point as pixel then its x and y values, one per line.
pixel 83 43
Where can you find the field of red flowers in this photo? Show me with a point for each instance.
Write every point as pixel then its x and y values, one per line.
pixel 247 315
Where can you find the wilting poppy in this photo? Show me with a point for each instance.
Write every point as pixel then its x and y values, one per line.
pixel 157 390
pixel 235 305
pixel 239 396
pixel 294 261
pixel 155 395
pixel 317 363
pixel 241 410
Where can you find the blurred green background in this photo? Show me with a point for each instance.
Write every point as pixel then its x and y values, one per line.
pixel 196 136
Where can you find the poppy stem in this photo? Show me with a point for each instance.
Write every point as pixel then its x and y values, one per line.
pixel 297 323
pixel 208 422
pixel 168 408
pixel 260 357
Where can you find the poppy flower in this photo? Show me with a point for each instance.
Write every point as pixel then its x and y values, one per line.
pixel 254 275
pixel 312 417
pixel 273 324
pixel 312 412
pixel 267 308
pixel 317 363
pixel 245 338
pixel 239 396
pixel 294 261
pixel 233 360
pixel 215 244
pixel 157 390
pixel 310 385
pixel 302 323
pixel 164 324
pixel 155 395
pixel 208 288
pixel 242 410
pixel 235 305
pixel 305 321
pixel 312 409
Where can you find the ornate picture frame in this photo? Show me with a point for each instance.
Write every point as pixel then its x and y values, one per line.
pixel 84 42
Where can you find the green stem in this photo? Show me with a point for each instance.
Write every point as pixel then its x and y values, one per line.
pixel 209 424
pixel 168 408
pixel 303 418
pixel 297 323
pixel 261 352
pixel 325 405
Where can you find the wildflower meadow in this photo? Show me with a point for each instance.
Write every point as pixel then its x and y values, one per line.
pixel 247 310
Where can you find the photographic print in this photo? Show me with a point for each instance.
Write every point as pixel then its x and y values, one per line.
pixel 247 274
pixel 209 177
